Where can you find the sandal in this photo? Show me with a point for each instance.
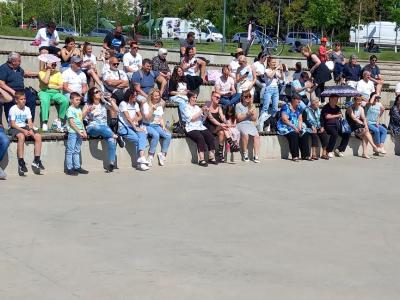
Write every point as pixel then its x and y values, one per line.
pixel 314 157
pixel 307 158
pixel 203 163
pixel 296 159
pixel 326 157
pixel 365 156
pixel 213 161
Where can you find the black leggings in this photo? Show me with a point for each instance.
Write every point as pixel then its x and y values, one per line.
pixel 318 91
pixel 334 132
pixel 203 139
pixel 296 141
pixel 323 137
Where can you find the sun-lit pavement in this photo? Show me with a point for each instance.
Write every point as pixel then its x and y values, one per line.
pixel 277 230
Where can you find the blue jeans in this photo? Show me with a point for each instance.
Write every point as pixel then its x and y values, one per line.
pixel 182 101
pixel 378 133
pixel 155 131
pixel 271 93
pixel 4 143
pixel 230 101
pixel 262 86
pixel 106 133
pixel 138 138
pixel 72 157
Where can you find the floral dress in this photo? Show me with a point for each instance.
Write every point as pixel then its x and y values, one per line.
pixel 293 116
pixel 394 123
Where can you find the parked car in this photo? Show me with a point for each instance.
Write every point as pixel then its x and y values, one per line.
pixel 303 37
pixel 67 31
pixel 100 32
pixel 241 37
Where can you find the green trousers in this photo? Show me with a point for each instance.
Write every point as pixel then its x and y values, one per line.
pixel 46 96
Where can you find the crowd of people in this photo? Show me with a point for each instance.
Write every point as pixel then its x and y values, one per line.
pixel 127 104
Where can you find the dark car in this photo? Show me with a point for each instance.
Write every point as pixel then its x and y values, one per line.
pixel 100 32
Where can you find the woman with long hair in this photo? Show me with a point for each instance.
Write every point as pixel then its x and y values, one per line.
pixel 89 65
pixel 178 88
pixel 67 52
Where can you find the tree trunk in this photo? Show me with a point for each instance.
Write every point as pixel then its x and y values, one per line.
pixel 73 14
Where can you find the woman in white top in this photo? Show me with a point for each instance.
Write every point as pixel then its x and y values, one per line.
pixel 129 118
pixel 273 73
pixel 153 111
pixel 245 76
pixel 89 65
pixel 178 88
pixel 358 123
pixel 194 117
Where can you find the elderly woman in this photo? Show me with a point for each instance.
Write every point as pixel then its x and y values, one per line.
pixel 290 125
pixel 51 86
pixel 394 123
pixel 245 76
pixel 153 112
pixel 374 113
pixel 319 71
pixel 217 124
pixel 330 121
pixel 312 118
pixel 246 115
pixel 358 123
pixel 194 118
pixel 95 112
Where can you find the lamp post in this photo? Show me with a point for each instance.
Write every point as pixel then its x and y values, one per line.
pixel 150 23
pixel 224 28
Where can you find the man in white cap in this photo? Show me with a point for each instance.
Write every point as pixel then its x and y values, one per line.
pixel 74 78
pixel 132 60
pixel 160 64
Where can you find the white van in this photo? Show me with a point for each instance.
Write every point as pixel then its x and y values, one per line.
pixel 383 33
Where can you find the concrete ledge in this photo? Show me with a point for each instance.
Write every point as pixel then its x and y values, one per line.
pixel 182 151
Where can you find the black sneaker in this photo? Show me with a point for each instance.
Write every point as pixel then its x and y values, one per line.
pixel 120 141
pixel 110 168
pixel 41 167
pixel 71 172
pixel 81 171
pixel 21 171
pixel 23 167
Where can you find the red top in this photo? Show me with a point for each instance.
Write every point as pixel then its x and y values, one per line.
pixel 322 53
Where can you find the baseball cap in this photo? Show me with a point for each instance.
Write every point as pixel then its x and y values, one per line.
pixel 76 59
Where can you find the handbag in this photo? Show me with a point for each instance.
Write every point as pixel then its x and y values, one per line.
pixel 345 127
pixel 179 128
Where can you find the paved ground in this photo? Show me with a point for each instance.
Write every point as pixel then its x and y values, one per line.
pixel 278 230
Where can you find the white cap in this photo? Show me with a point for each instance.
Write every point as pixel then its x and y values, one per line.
pixel 162 51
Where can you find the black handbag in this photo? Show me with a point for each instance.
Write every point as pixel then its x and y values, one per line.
pixel 179 128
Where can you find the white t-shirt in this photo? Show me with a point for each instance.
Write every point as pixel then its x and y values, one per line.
pixel 397 90
pixel 192 70
pixel 113 75
pixel 46 38
pixel 157 114
pixel 20 116
pixel 74 79
pixel 92 59
pixel 134 62
pixel 259 68
pixel 132 109
pixel 366 88
pixel 193 125
pixel 224 85
pixel 234 66
pixel 182 87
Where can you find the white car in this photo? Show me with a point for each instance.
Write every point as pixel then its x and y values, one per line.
pixel 242 38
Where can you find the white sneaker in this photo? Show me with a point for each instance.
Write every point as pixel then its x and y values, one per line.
pixel 330 154
pixel 142 160
pixel 150 160
pixel 338 153
pixel 161 159
pixel 256 159
pixel 45 127
pixel 35 128
pixel 3 174
pixel 143 167
pixel 382 151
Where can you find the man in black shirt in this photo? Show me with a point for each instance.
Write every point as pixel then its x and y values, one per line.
pixel 115 41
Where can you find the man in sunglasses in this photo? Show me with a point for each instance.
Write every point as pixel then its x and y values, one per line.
pixel 375 73
pixel 115 81
pixel 115 41
pixel 132 60
pixel 74 78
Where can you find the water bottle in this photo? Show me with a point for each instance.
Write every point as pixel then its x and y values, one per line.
pixel 168 124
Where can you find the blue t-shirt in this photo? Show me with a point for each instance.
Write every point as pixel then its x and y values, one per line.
pixel 352 72
pixel 146 81
pixel 113 42
pixel 13 78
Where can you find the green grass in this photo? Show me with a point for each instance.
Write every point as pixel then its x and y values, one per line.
pixel 385 55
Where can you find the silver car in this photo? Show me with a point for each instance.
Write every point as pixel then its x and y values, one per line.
pixel 242 38
pixel 304 38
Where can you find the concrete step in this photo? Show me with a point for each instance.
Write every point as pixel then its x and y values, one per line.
pixel 181 151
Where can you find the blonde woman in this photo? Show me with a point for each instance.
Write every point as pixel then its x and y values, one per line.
pixel 153 111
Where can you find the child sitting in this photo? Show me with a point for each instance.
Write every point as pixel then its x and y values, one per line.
pixel 21 126
pixel 76 132
pixel 234 132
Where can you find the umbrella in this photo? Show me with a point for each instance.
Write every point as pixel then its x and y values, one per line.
pixel 341 91
pixel 48 58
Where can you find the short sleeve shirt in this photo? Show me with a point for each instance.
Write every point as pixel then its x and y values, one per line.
pixel 113 42
pixel 98 116
pixel 45 37
pixel 74 79
pixel 146 81
pixel 20 116
pixel 132 109
pixel 13 78
pixel 75 114
pixel 157 113
pixel 328 110
pixel 297 84
pixel 115 75
pixel 225 85
pixel 259 67
pixel 134 62
pixel 55 80
pixel 366 88
pixel 241 109
pixel 375 71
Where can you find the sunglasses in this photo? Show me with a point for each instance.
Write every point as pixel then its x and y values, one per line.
pixel 247 96
pixel 116 64
pixel 374 60
pixel 135 47
pixel 216 97
pixel 97 92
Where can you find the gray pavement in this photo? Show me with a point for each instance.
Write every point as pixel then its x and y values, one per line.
pixel 277 230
